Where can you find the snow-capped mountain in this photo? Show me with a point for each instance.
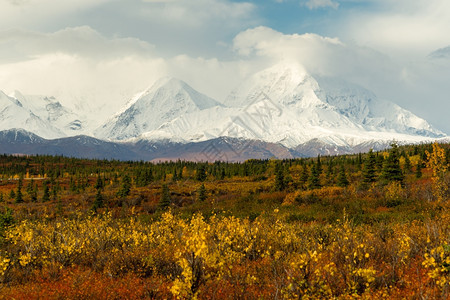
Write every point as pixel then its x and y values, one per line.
pixel 43 116
pixel 284 104
pixel 282 111
pixel 165 101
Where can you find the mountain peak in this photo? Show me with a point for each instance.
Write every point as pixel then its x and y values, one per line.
pixel 167 99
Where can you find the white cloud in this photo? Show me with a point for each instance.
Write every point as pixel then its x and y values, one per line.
pixel 402 28
pixel 81 41
pixel 40 13
pixel 320 55
pixel 421 86
pixel 77 64
pixel 197 13
pixel 315 4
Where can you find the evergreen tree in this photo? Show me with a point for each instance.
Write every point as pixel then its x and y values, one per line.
pixel 99 183
pixel 319 165
pixel 408 167
pixel 19 196
pixel 304 175
pixel 391 167
pixel 98 202
pixel 164 201
pixel 175 176
pixel 201 173
pixel 369 171
pixel 314 178
pixel 419 167
pixel 30 187
pixel 34 193
pixel 201 193
pixel 342 180
pixel 222 174
pixel 12 194
pixel 1 197
pixel 126 186
pixel 330 173
pixel 280 184
pixel 46 196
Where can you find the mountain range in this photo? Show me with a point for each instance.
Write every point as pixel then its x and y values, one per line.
pixel 282 111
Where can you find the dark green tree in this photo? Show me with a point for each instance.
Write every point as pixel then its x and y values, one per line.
pixel 165 201
pixel 201 193
pixel 12 194
pixel 280 183
pixel 201 173
pixel 319 165
pixel 304 175
pixel 314 178
pixel 34 194
pixel 369 171
pixel 98 202
pixel 46 196
pixel 30 187
pixel 391 166
pixel 175 176
pixel 99 184
pixel 125 189
pixel 19 196
pixel 419 167
pixel 342 180
pixel 407 166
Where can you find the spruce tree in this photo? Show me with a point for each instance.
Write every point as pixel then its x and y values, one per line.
pixel 407 166
pixel 164 201
pixel 98 202
pixel 419 169
pixel 46 196
pixel 175 176
pixel 34 193
pixel 319 165
pixel 342 180
pixel 369 171
pixel 304 175
pixel 201 193
pixel 280 184
pixel 201 173
pixel 19 196
pixel 99 183
pixel 391 167
pixel 314 178
pixel 330 173
pixel 126 186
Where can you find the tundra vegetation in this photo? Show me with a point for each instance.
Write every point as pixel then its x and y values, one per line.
pixel 370 226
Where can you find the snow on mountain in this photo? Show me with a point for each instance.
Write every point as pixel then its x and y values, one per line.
pixel 15 114
pixel 283 105
pixel 165 101
pixel 286 105
pixel 52 111
pixel 363 107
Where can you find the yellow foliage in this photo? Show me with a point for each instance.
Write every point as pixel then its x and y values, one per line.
pixel 436 162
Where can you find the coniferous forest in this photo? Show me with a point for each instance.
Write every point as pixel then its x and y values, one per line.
pixel 369 225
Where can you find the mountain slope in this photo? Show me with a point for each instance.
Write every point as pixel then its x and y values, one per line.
pixel 286 105
pixel 166 100
pixel 14 114
pixel 52 111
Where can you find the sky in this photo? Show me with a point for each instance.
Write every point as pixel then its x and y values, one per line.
pixel 92 52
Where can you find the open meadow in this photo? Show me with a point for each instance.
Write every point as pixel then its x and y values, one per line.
pixel 370 226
